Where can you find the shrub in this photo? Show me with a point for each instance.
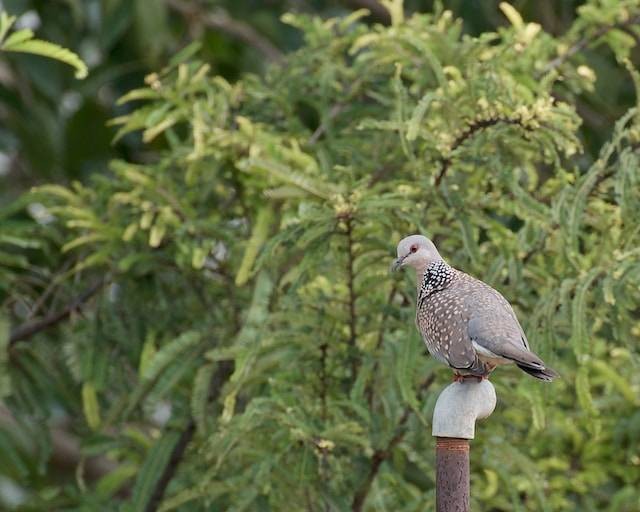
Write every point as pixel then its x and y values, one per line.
pixel 240 340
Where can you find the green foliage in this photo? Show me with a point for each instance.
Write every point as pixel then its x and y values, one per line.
pixel 260 236
pixel 23 41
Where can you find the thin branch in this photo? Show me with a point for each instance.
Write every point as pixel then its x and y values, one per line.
pixel 220 20
pixel 29 329
pixel 172 466
pixel 382 454
pixel 587 40
pixel 334 112
pixel 323 379
pixel 377 10
pixel 380 174
pixel 336 109
pixel 383 321
pixel 472 129
pixel 222 374
pixel 54 280
pixel 352 298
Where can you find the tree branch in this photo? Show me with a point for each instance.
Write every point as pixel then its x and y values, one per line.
pixel 336 109
pixel 471 130
pixel 334 112
pixel 172 466
pixel 586 41
pixel 382 454
pixel 369 388
pixel 220 20
pixel 224 371
pixel 323 379
pixel 29 329
pixel 352 298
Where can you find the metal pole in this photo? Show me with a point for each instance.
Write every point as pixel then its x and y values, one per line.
pixel 452 474
pixel 458 407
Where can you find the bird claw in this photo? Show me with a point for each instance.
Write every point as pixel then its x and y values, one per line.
pixel 457 377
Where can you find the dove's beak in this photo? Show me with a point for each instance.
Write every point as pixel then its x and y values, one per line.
pixel 397 263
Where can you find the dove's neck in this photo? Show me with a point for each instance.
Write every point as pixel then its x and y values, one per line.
pixel 434 268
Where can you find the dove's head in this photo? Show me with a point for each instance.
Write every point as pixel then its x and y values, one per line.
pixel 416 251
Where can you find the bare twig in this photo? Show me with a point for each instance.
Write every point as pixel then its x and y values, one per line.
pixel 29 329
pixel 220 20
pixel 382 454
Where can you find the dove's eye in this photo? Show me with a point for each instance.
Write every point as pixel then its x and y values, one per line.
pixel 414 248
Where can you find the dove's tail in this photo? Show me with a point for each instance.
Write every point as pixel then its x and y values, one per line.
pixel 546 374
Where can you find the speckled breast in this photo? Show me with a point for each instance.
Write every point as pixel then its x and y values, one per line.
pixel 442 314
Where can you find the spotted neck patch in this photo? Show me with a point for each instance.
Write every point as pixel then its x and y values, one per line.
pixel 437 276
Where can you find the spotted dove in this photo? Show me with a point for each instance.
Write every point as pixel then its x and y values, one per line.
pixel 464 322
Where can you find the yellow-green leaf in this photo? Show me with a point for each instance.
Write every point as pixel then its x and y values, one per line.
pixel 51 50
pixel 157 233
pixel 512 15
pixel 258 237
pixel 90 405
pixel 148 351
pixel 198 258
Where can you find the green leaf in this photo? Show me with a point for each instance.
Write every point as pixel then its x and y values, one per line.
pixel 83 240
pixel 198 257
pixel 258 237
pixel 116 479
pixel 138 94
pixel 149 350
pixel 169 353
pixel 613 376
pixel 12 461
pixel 157 232
pixel 151 470
pixel 583 391
pixel 185 53
pixel 5 379
pixel 512 15
pixel 418 115
pixel 6 22
pixel 46 49
pixel 90 405
pixel 17 37
pixel 200 395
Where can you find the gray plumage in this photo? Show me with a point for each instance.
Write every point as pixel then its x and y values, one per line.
pixel 464 322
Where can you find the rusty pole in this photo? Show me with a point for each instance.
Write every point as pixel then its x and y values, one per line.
pixel 452 474
pixel 458 407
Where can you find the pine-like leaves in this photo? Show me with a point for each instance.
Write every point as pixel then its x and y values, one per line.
pixel 260 240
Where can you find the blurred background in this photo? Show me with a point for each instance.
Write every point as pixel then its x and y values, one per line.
pixel 55 128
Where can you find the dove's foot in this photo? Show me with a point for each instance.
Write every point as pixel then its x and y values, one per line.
pixel 457 377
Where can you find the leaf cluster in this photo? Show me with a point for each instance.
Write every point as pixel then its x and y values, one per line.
pixel 259 242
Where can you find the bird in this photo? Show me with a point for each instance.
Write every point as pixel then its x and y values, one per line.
pixel 464 322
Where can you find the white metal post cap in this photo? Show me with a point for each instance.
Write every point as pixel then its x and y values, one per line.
pixel 459 406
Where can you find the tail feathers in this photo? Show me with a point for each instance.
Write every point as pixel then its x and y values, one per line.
pixel 546 374
pixel 532 364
